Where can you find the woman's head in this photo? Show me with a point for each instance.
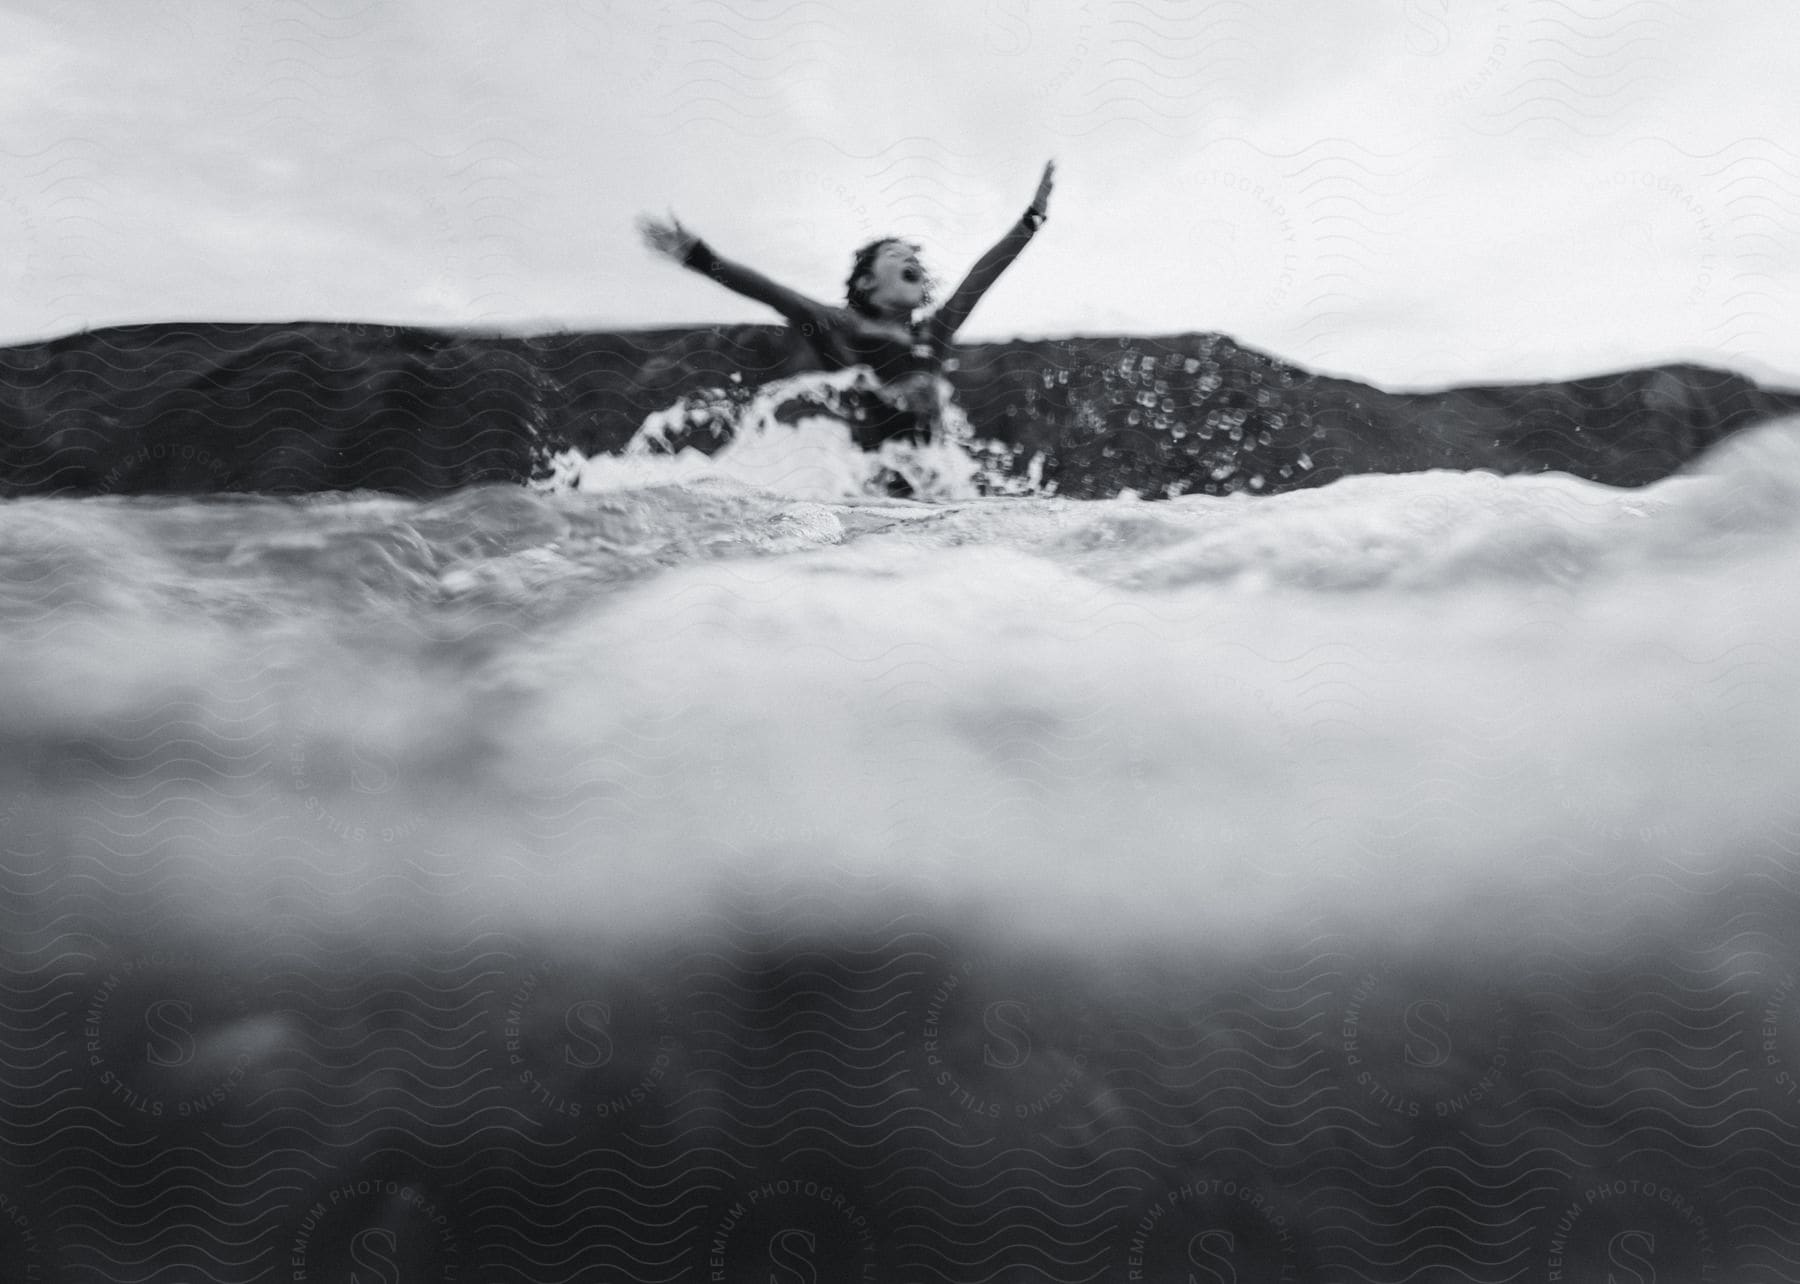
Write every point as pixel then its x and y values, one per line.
pixel 887 280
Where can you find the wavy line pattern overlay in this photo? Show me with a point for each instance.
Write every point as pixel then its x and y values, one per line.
pixel 416 866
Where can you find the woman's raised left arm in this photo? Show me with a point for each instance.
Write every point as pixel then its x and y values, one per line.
pixel 949 318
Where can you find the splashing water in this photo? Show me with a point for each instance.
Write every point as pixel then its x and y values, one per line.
pixel 792 436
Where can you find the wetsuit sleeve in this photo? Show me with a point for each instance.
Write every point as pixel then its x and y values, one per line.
pixel 949 318
pixel 752 284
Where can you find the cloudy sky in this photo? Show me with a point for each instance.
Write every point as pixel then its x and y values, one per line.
pixel 1410 191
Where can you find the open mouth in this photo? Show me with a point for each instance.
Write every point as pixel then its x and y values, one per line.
pixel 911 275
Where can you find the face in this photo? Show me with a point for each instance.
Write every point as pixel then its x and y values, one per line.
pixel 896 280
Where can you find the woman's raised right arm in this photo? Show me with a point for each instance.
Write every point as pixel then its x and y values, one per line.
pixel 670 239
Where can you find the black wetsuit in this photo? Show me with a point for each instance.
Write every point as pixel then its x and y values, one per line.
pixel 843 337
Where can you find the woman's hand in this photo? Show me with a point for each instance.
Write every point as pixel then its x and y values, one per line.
pixel 1040 204
pixel 666 236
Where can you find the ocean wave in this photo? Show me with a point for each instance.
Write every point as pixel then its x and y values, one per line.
pixel 706 666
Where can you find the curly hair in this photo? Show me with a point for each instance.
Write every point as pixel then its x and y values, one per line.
pixel 864 263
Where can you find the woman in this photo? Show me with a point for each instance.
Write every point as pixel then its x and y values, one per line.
pixel 880 328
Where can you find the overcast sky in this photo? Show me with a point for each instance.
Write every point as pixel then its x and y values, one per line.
pixel 1410 191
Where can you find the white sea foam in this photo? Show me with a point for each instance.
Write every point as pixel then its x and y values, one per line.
pixel 772 445
pixel 1432 703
